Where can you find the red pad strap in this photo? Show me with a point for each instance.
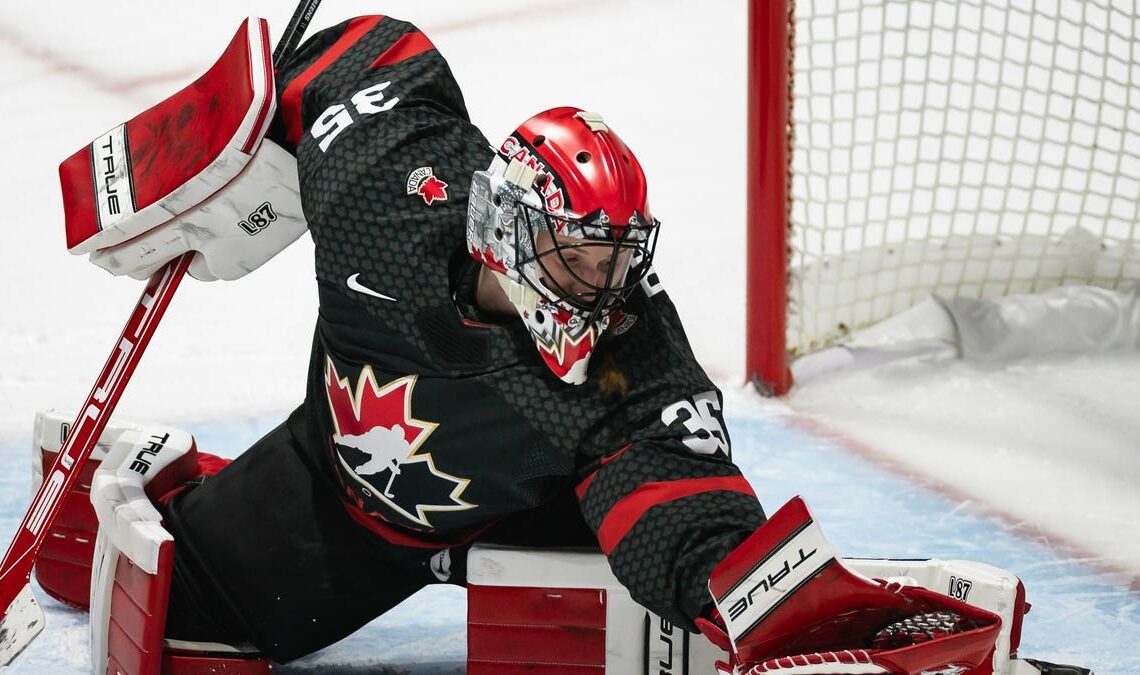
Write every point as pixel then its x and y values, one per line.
pixel 201 464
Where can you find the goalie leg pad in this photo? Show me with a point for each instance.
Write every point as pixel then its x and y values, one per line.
pixel 563 611
pixel 134 558
pixel 129 616
pixel 168 455
pixel 63 564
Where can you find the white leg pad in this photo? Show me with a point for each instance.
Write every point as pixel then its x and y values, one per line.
pixel 131 538
pixel 529 607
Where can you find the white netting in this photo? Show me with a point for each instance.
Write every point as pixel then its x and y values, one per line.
pixel 964 147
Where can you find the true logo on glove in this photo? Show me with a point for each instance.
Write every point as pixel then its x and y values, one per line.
pixel 115 191
pixel 803 555
pixel 141 462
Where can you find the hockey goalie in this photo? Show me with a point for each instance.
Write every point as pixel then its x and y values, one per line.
pixel 496 369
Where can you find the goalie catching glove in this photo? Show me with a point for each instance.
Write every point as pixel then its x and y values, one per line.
pixel 789 606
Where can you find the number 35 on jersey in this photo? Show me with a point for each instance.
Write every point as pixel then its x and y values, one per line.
pixel 336 118
pixel 701 418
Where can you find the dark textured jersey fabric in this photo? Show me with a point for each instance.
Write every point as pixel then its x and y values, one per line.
pixel 489 430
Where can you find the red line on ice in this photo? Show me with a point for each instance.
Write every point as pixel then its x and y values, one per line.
pixel 98 79
pixel 1059 543
pixel 95 77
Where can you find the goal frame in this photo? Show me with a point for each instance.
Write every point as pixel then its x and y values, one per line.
pixel 983 149
pixel 771 27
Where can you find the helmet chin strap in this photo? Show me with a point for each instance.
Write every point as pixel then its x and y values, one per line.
pixel 490 296
pixel 521 296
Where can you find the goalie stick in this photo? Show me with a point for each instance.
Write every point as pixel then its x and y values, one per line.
pixel 296 28
pixel 21 619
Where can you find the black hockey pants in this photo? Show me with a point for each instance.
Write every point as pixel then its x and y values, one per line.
pixel 265 552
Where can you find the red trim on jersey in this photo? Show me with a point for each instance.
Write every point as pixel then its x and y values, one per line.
pixel 409 45
pixel 291 97
pixel 401 537
pixel 625 514
pixel 585 484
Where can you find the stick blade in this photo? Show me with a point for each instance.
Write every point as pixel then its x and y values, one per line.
pixel 20 625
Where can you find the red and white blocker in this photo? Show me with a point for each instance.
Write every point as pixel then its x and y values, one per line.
pixel 191 173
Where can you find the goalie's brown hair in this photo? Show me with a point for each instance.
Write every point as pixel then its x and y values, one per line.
pixel 611 381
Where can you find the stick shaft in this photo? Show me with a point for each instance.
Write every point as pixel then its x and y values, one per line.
pixel 16 568
pixel 295 29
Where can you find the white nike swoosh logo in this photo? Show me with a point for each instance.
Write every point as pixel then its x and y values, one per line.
pixel 360 288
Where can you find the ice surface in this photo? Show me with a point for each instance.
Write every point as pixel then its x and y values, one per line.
pixel 1034 466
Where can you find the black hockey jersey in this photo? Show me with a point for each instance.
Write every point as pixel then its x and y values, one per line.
pixel 435 425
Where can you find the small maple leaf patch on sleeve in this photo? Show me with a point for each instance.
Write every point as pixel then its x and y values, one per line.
pixel 423 182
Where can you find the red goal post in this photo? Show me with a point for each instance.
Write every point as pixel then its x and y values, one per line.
pixel 770 24
pixel 903 148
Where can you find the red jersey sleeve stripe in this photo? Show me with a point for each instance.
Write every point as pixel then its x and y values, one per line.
pixel 580 490
pixel 409 45
pixel 625 514
pixel 291 97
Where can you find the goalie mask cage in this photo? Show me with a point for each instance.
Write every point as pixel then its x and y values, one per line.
pixel 899 148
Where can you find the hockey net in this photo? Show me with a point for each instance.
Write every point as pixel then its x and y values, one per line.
pixel 975 148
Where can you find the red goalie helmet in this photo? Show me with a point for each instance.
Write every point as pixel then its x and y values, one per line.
pixel 593 172
pixel 562 216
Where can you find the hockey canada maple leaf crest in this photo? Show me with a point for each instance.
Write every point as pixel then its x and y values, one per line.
pixel 377 444
pixel 423 182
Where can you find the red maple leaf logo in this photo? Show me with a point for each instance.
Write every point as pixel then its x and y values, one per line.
pixel 378 442
pixel 432 189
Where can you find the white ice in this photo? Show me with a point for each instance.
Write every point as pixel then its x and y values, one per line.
pixel 1047 447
